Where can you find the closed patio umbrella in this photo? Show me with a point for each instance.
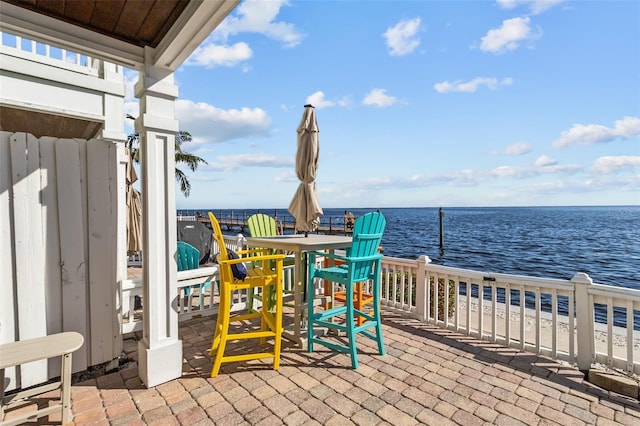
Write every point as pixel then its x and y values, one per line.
pixel 305 206
pixel 134 210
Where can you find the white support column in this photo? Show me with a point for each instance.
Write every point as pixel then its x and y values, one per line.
pixel 160 350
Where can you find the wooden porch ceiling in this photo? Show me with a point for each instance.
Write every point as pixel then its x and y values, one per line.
pixel 42 124
pixel 132 33
pixel 138 22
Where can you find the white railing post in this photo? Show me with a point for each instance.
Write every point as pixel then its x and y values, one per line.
pixel 421 287
pixel 112 100
pixel 241 242
pixel 584 321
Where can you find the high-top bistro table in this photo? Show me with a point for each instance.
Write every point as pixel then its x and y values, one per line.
pixel 299 244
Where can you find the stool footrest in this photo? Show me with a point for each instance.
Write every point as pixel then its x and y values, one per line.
pixel 331 345
pixel 247 357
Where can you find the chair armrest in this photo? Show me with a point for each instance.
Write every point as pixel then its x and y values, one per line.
pixel 313 254
pixel 253 259
pixel 374 257
pixel 253 252
pixel 346 258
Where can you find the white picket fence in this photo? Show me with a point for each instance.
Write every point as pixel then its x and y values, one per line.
pixel 58 246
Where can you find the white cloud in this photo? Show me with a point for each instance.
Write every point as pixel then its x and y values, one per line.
pixel 402 38
pixel 208 124
pixel 551 188
pixel 473 85
pixel 610 164
pixel 238 161
pixel 509 36
pixel 567 169
pixel 510 171
pixel 592 134
pixel 608 183
pixel 545 160
pixel 287 176
pixel 211 55
pixel 536 6
pixel 547 165
pixel 345 101
pixel 131 103
pixel 465 177
pixel 130 79
pixel 469 178
pixel 517 148
pixel 379 98
pixel 259 16
pixel 317 99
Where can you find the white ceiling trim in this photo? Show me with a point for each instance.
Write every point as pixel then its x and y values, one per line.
pixel 194 25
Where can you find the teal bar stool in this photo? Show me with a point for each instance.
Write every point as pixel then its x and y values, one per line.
pixel 361 263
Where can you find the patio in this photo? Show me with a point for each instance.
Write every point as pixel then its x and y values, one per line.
pixel 429 376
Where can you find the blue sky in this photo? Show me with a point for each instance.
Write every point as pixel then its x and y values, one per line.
pixel 419 103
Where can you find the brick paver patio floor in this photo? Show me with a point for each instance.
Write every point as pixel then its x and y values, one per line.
pixel 428 376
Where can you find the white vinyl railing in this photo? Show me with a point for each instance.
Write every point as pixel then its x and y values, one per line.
pixel 197 292
pixel 46 54
pixel 571 320
pixel 551 317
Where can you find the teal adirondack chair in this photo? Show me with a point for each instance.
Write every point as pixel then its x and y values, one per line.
pixel 362 262
pixel 188 257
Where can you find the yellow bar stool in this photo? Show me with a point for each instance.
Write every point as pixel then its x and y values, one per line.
pixel 263 273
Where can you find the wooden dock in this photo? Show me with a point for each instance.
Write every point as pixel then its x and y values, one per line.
pixel 329 225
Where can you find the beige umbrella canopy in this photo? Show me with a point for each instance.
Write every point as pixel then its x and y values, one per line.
pixel 305 206
pixel 134 210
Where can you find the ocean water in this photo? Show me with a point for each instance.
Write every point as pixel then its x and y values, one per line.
pixel 551 242
pixel 554 242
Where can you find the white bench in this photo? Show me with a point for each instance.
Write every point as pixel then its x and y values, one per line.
pixel 29 350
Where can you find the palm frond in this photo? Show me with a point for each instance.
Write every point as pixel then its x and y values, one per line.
pixel 192 161
pixel 185 185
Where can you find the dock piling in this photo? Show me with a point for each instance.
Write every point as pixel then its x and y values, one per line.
pixel 441 216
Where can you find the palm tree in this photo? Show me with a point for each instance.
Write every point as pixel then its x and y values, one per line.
pixel 192 161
